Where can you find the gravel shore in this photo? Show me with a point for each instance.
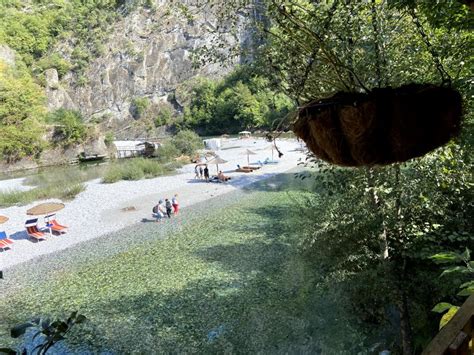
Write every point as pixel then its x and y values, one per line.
pixel 106 208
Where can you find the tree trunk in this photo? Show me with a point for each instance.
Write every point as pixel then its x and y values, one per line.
pixel 376 203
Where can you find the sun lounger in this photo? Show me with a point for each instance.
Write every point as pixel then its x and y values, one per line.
pixel 244 169
pixel 51 222
pixel 251 167
pixel 269 161
pixel 4 241
pixel 4 245
pixel 34 233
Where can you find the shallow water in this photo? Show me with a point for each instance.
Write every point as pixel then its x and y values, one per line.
pixel 90 170
pixel 227 279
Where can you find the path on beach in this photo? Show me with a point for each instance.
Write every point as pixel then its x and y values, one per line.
pixel 99 209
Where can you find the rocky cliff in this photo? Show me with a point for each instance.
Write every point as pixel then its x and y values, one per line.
pixel 147 55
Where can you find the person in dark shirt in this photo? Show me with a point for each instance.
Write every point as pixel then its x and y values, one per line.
pixel 206 173
pixel 169 207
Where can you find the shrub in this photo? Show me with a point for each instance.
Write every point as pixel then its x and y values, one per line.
pixel 187 142
pixel 24 140
pixel 70 129
pixel 167 152
pixel 109 138
pixel 64 191
pixel 133 169
pixel 150 168
pixel 72 191
pixel 163 118
pixel 55 61
pixel 113 174
pixel 138 106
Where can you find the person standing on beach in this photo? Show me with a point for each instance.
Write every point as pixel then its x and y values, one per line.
pixel 158 211
pixel 196 172
pixel 174 202
pixel 169 207
pixel 200 171
pixel 206 173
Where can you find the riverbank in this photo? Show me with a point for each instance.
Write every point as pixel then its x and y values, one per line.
pixel 107 208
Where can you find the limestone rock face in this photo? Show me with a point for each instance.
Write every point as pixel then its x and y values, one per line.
pixel 148 54
pixel 57 96
pixel 7 55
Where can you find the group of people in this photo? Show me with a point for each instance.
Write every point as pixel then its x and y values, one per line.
pixel 166 208
pixel 201 173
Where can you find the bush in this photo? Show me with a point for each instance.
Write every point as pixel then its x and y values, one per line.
pixel 109 138
pixel 70 129
pixel 167 152
pixel 113 174
pixel 132 172
pixel 55 61
pixel 20 141
pixel 134 169
pixel 150 168
pixel 138 106
pixel 187 142
pixel 163 118
pixel 62 191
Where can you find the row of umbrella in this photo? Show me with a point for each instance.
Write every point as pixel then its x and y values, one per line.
pixel 218 160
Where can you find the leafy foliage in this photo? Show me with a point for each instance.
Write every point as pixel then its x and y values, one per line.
pixel 21 110
pixel 138 106
pixel 187 142
pixel 134 169
pixel 310 49
pixel 454 271
pixel 164 117
pixel 242 100
pixel 374 230
pixel 70 128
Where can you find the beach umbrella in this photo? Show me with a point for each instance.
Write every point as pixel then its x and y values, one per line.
pixel 3 219
pixel 45 208
pixel 249 153
pixel 217 160
pixel 270 147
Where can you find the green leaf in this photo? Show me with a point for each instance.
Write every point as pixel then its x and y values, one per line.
pixel 447 317
pixel 442 307
pixel 444 258
pixel 461 269
pixel 467 291
pixel 467 284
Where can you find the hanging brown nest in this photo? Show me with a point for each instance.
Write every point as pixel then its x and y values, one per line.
pixel 383 127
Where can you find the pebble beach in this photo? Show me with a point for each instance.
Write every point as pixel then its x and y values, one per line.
pixel 103 209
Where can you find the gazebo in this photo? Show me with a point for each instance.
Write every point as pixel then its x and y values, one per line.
pixel 244 134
